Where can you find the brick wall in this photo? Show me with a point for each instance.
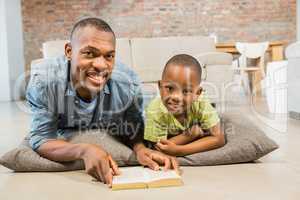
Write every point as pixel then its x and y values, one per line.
pixel 231 20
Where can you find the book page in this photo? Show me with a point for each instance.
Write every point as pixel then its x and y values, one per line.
pixel 152 175
pixel 130 175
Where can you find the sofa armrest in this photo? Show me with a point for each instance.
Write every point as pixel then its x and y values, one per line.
pixel 34 65
pixel 214 58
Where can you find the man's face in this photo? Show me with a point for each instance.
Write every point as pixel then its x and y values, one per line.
pixel 179 87
pixel 92 55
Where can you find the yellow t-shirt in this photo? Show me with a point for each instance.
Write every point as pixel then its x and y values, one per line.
pixel 160 123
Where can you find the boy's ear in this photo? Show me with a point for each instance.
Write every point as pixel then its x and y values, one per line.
pixel 199 90
pixel 159 83
pixel 68 50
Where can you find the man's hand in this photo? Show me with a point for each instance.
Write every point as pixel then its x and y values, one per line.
pixel 168 147
pixel 152 159
pixel 99 164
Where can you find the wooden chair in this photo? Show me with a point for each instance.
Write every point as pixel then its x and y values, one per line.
pixel 255 71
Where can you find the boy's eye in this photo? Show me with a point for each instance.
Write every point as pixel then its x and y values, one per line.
pixel 168 88
pixel 186 91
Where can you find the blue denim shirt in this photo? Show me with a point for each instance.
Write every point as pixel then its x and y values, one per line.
pixel 53 102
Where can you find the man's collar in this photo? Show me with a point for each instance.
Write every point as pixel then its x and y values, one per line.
pixel 106 89
pixel 70 91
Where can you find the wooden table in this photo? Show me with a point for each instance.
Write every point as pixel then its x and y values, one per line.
pixel 275 49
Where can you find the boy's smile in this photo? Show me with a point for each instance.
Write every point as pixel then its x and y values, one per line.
pixel 179 87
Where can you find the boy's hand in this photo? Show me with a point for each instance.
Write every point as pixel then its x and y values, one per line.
pixel 195 131
pixel 168 147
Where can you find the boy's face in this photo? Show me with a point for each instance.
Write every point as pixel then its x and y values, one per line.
pixel 179 87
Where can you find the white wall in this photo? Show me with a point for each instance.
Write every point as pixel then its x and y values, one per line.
pixel 298 20
pixel 11 48
pixel 4 75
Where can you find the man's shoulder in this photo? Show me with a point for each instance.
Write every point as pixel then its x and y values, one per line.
pixel 123 74
pixel 124 82
pixel 49 71
pixel 47 77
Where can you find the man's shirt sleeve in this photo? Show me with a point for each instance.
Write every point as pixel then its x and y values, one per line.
pixel 44 120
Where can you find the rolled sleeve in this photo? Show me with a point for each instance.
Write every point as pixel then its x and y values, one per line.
pixel 44 120
pixel 209 115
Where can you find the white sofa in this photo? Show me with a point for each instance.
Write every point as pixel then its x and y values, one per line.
pixel 293 77
pixel 147 56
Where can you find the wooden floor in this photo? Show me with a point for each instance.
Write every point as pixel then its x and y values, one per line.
pixel 275 176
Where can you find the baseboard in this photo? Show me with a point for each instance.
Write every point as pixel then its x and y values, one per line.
pixel 294 115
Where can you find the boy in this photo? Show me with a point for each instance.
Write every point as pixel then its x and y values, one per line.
pixel 182 121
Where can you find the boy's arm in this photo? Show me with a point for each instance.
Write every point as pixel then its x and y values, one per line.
pixel 188 136
pixel 215 140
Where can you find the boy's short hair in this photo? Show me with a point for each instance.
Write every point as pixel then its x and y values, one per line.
pixel 93 22
pixel 184 60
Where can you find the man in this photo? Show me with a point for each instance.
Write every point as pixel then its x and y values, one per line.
pixel 84 90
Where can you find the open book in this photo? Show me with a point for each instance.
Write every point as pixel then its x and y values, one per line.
pixel 140 177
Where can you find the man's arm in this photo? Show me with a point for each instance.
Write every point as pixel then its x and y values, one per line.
pixel 215 140
pixel 43 135
pixel 98 163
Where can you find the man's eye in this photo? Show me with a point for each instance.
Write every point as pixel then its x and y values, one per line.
pixel 109 57
pixel 88 54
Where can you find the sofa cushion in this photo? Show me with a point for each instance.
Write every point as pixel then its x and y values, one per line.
pixel 123 51
pixel 149 55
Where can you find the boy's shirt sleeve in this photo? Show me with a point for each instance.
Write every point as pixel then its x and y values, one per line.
pixel 208 114
pixel 154 127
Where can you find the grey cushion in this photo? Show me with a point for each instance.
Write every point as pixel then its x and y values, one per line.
pixel 244 143
pixel 24 159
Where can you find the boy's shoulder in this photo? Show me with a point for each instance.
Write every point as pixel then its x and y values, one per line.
pixel 156 107
pixel 201 102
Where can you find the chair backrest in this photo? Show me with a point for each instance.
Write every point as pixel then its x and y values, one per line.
pixel 252 50
pixel 293 50
pixel 54 48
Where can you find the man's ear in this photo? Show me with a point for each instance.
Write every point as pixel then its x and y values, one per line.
pixel 68 50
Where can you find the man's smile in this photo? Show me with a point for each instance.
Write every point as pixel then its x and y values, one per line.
pixel 97 78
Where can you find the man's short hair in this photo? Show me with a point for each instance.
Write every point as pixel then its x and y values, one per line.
pixel 98 23
pixel 184 60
